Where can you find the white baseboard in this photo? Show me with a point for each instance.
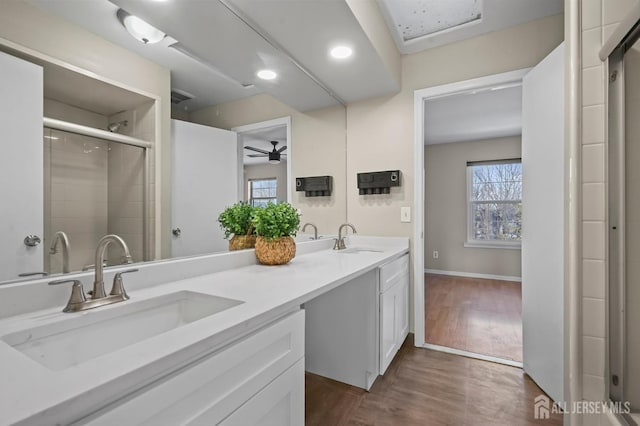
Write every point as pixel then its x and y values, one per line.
pixel 474 355
pixel 473 275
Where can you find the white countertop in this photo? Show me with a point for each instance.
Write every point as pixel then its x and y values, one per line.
pixel 35 394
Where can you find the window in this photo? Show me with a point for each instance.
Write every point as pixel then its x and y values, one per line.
pixel 262 191
pixel 494 203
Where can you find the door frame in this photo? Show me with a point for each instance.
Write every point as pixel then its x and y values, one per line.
pixel 419 98
pixel 263 125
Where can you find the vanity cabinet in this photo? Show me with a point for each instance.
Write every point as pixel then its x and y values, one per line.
pixel 354 331
pixel 394 308
pixel 257 380
pixel 341 334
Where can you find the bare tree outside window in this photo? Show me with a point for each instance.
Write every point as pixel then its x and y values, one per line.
pixel 495 201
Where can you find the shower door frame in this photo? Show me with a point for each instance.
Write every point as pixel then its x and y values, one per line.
pixel 616 292
pixel 50 123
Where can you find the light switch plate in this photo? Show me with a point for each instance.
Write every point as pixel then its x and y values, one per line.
pixel 405 214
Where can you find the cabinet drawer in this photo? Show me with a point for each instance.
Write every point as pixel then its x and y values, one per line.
pixel 216 385
pixel 281 403
pixel 391 272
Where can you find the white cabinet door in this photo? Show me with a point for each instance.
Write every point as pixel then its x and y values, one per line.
pixel 543 223
pixel 209 390
pixel 205 179
pixel 21 166
pixel 403 310
pixel 281 403
pixel 388 327
pixel 394 309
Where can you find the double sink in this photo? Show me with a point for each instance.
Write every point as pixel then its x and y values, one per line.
pixel 87 335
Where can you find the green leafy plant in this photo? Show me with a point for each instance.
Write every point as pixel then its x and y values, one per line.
pixel 236 219
pixel 276 220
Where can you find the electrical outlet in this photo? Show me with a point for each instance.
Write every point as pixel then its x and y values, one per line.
pixel 435 254
pixel 405 214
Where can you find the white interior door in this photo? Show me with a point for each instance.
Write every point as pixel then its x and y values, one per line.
pixel 543 231
pixel 21 166
pixel 204 174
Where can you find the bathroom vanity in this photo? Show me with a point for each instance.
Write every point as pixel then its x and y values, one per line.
pixel 212 339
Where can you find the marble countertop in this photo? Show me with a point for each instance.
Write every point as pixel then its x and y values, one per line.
pixel 33 393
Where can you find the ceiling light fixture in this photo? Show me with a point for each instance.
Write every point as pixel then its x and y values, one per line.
pixel 139 29
pixel 341 52
pixel 267 74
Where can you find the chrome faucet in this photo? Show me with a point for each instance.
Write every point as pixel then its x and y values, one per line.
pixel 64 241
pixel 78 301
pixel 98 282
pixel 315 229
pixel 339 244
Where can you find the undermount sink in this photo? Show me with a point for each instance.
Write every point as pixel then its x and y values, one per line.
pixel 78 339
pixel 351 250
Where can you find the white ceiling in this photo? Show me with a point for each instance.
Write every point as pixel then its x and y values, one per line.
pixel 232 39
pixel 99 17
pixel 262 139
pixel 419 18
pixel 307 29
pixel 290 36
pixel 475 115
pixel 413 17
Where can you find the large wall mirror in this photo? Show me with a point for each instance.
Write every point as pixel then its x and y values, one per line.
pixel 93 183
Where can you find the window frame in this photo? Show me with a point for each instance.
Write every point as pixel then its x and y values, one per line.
pixel 494 244
pixel 250 197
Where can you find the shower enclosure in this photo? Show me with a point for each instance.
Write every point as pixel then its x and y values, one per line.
pixel 93 187
pixel 624 224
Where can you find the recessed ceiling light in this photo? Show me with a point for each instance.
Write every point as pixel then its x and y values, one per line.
pixel 267 74
pixel 341 52
pixel 139 29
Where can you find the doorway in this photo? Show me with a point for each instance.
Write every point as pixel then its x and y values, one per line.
pixel 546 174
pixel 264 161
pixel 473 222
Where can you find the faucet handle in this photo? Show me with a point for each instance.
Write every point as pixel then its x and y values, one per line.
pixel 77 294
pixel 118 286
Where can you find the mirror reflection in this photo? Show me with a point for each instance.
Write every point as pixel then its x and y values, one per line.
pixel 92 188
pixel 89 185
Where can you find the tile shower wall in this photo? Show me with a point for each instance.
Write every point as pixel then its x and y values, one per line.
pixel 78 194
pixel 93 187
pixel 599 20
pixel 75 185
pixel 125 198
pixel 126 168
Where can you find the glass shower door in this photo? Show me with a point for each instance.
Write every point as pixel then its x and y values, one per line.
pixel 92 188
pixel 624 229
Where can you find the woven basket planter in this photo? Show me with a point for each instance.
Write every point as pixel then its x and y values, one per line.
pixel 242 242
pixel 276 252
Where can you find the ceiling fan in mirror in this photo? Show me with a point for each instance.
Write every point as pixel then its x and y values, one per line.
pixel 274 155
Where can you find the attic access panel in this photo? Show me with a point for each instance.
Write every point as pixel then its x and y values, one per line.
pixel 419 18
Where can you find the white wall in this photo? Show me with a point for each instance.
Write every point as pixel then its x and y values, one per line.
pixel 62 111
pixel 446 208
pixel 380 130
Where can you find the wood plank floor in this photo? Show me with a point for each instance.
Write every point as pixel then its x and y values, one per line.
pixel 424 387
pixel 475 315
